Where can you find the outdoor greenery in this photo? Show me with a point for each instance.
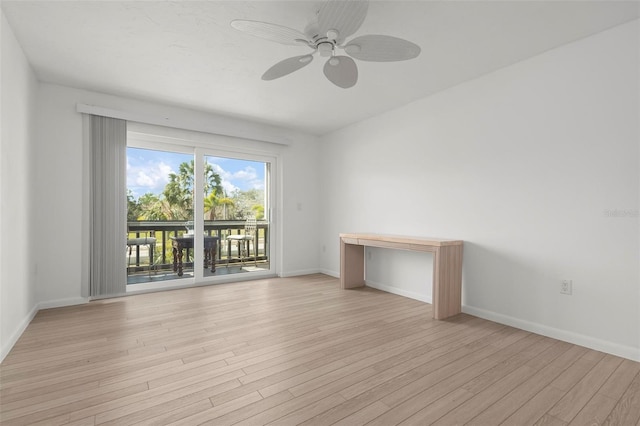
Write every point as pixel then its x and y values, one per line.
pixel 176 200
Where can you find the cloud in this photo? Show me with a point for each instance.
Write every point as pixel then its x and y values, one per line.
pixel 228 187
pixel 146 173
pixel 246 178
pixel 247 174
pixel 224 175
pixel 150 177
pixel 249 177
pixel 225 178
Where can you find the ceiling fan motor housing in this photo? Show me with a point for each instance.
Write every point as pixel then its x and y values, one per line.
pixel 325 48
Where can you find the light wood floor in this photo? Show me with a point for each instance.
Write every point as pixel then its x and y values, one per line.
pixel 301 351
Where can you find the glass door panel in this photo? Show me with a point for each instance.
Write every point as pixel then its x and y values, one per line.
pixel 160 215
pixel 236 214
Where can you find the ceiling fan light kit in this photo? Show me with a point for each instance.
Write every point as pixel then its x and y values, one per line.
pixel 335 20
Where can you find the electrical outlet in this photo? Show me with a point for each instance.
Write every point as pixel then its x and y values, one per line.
pixel 566 287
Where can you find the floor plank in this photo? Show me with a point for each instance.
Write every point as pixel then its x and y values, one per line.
pixel 300 351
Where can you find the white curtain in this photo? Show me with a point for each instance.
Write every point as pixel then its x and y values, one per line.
pixel 108 206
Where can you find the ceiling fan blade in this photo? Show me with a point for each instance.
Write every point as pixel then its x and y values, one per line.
pixel 381 48
pixel 271 32
pixel 341 71
pixel 287 66
pixel 344 16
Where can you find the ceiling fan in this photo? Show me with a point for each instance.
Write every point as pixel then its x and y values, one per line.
pixel 335 20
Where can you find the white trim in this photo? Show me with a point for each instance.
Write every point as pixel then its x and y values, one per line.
pixel 398 291
pixel 329 272
pixel 60 303
pixel 198 214
pixel 179 282
pixel 276 186
pixel 183 140
pixel 198 126
pixel 144 141
pixel 172 284
pixel 16 334
pixel 624 351
pixel 85 224
pixel 300 272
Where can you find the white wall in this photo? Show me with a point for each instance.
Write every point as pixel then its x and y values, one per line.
pixel 18 87
pixel 523 165
pixel 60 181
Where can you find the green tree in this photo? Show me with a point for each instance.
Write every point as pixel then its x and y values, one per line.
pixel 153 207
pixel 212 181
pixel 248 203
pixel 213 201
pixel 226 203
pixel 210 203
pixel 258 211
pixel 179 190
pixel 178 196
pixel 134 209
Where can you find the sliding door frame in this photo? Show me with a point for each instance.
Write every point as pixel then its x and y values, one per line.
pixel 201 145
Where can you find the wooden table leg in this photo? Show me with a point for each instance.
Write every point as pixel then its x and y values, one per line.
pixel 175 259
pixel 351 265
pixel 447 282
pixel 179 262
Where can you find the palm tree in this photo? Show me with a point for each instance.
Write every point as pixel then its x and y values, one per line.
pixel 178 194
pixel 225 202
pixel 153 207
pixel 179 191
pixel 212 181
pixel 258 211
pixel 212 201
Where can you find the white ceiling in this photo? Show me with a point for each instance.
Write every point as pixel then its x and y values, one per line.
pixel 185 53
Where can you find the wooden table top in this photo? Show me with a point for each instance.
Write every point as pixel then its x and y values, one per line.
pixel 402 239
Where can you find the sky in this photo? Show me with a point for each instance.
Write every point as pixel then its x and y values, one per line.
pixel 148 171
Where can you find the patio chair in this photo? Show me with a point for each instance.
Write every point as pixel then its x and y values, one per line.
pixel 149 241
pixel 243 241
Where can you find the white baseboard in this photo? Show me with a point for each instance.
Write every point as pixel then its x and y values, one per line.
pixel 399 291
pixel 623 351
pixel 330 273
pixel 16 335
pixel 60 303
pixel 299 272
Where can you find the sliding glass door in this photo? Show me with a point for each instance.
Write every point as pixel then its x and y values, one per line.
pixel 196 215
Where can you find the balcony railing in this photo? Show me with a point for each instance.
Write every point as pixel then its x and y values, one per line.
pixel 163 251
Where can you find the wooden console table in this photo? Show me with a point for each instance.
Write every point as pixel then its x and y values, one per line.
pixel 447 265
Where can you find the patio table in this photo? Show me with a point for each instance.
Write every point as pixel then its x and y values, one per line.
pixel 186 242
